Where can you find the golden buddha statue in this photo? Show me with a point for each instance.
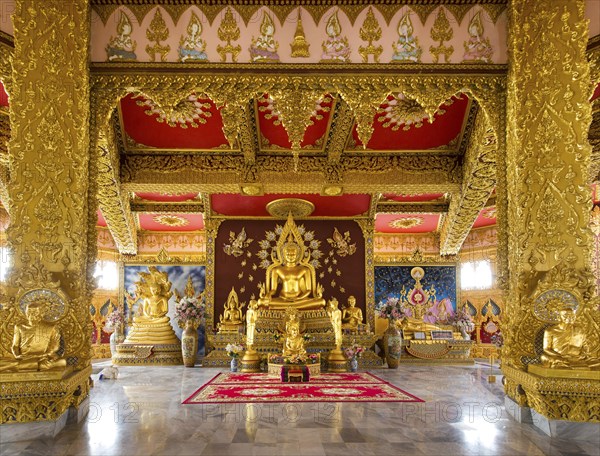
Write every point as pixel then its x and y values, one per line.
pixel 351 315
pixel 251 317
pixel 151 325
pixel 293 343
pixel 566 345
pixel 291 280
pixel 35 343
pixel 232 318
pixel 335 315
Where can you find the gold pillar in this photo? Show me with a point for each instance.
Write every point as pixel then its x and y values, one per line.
pixel 548 209
pixel 52 204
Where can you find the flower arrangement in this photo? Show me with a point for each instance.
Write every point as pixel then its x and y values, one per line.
pixel 114 319
pixel 390 309
pixel 189 309
pixel 354 351
pixel 462 320
pixel 234 350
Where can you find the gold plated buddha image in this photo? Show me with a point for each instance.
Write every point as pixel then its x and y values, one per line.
pixel 35 344
pixel 291 279
pixel 293 343
pixel 232 317
pixel 351 315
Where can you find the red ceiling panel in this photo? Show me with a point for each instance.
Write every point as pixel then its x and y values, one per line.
pixel 274 132
pixel 255 206
pixel 486 217
pixel 145 129
pixel 409 223
pixel 171 222
pixel 444 129
pixel 3 96
pixel 417 198
pixel 167 197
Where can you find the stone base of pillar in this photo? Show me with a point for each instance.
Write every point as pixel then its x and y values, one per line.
pixel 16 432
pixel 518 412
pixel 569 430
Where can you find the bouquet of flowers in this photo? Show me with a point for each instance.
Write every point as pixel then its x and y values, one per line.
pixel 354 351
pixel 390 309
pixel 463 320
pixel 497 339
pixel 234 350
pixel 114 319
pixel 189 309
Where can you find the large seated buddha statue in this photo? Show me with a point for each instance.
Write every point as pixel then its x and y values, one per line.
pixel 291 280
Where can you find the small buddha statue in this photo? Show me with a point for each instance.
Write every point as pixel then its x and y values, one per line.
pixel 335 315
pixel 351 316
pixel 565 344
pixel 232 318
pixel 293 341
pixel 291 280
pixel 251 317
pixel 35 343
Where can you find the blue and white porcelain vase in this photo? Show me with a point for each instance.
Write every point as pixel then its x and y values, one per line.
pixel 234 364
pixel 353 364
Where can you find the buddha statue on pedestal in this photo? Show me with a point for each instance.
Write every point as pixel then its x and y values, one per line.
pixel 232 318
pixel 293 343
pixel 151 325
pixel 35 343
pixel 291 280
pixel 351 316
pixel 566 344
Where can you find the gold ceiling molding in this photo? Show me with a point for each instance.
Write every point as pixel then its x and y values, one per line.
pixel 479 179
pixel 178 208
pixel 297 207
pixel 417 257
pixel 282 10
pixel 163 257
pixel 425 207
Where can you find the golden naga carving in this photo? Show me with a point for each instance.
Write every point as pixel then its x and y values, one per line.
pixel 151 325
pixel 293 343
pixel 291 279
pixel 568 344
pixel 352 316
pixel 36 343
pixel 370 31
pixel 231 319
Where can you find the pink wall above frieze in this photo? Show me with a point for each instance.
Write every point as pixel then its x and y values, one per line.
pixel 284 32
pixel 7 8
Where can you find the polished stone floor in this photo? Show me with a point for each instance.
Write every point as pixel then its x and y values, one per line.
pixel 141 414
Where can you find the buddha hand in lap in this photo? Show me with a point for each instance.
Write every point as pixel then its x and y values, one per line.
pixel 290 282
pixel 352 315
pixel 565 344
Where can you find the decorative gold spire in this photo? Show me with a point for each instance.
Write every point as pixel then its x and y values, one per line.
pixel 441 31
pixel 157 31
pixel 229 31
pixel 300 46
pixel 370 31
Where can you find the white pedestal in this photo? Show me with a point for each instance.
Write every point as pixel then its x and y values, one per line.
pixel 568 430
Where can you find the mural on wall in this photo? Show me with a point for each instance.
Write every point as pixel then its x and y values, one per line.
pixel 390 281
pixel 244 250
pixel 178 276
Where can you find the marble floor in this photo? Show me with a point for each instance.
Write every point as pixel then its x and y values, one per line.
pixel 141 414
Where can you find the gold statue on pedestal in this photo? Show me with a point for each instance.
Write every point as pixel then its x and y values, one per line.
pixel 336 359
pixel 152 325
pixel 251 359
pixel 291 280
pixel 232 318
pixel 567 344
pixel 35 343
pixel 351 316
pixel 293 343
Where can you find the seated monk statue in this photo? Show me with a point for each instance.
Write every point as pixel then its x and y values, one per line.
pixel 35 343
pixel 566 344
pixel 294 342
pixel 232 315
pixel 290 281
pixel 351 316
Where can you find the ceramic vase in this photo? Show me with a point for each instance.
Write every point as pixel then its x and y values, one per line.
pixel 392 344
pixel 117 337
pixel 189 344
pixel 353 364
pixel 234 364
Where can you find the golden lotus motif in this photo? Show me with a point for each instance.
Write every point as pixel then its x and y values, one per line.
pixel 298 208
pixel 171 220
pixel 407 222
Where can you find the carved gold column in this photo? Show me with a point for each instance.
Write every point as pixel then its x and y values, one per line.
pixel 549 238
pixel 52 232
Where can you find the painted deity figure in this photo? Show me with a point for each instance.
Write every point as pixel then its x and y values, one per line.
pixel 294 342
pixel 192 46
pixel 35 344
pixel 335 316
pixel 336 48
pixel 122 47
pixel 407 48
pixel 566 344
pixel 291 280
pixel 477 48
pixel 264 47
pixel 154 289
pixel 351 316
pixel 232 314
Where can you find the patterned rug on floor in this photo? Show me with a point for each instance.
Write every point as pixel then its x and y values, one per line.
pixel 344 387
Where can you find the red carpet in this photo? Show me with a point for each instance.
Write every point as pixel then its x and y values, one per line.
pixel 344 387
